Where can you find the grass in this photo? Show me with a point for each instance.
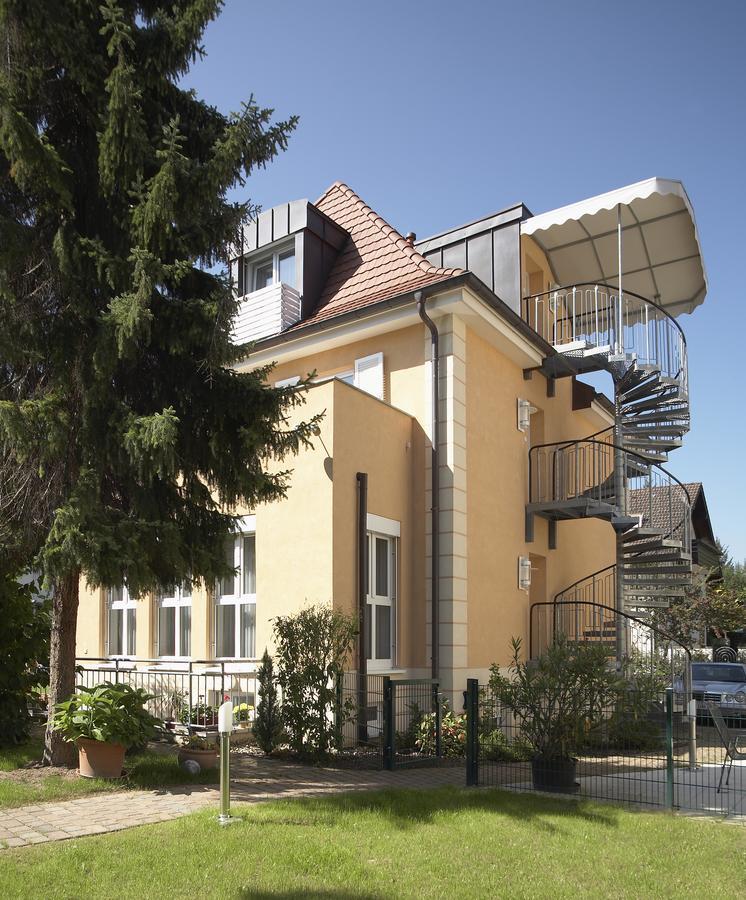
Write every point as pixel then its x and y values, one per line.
pixel 145 770
pixel 15 757
pixel 390 844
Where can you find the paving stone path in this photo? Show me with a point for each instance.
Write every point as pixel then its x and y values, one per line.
pixel 253 780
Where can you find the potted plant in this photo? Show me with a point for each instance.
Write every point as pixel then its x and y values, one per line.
pixel 201 750
pixel 558 701
pixel 241 714
pixel 104 721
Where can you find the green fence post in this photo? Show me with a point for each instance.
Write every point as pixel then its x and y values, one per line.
pixel 669 749
pixel 389 760
pixel 472 732
pixel 438 720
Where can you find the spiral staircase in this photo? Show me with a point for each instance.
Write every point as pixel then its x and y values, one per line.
pixel 617 475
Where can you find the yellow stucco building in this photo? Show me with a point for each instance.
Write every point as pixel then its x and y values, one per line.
pixel 329 288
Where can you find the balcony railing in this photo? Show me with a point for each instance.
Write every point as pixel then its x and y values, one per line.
pixel 266 312
pixel 584 470
pixel 595 316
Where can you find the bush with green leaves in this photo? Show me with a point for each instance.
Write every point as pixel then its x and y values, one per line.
pixel 24 656
pixel 268 722
pixel 452 733
pixel 562 697
pixel 114 713
pixel 313 647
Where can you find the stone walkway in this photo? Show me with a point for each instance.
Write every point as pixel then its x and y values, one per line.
pixel 253 780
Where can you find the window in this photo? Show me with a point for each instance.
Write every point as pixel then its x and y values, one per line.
pixel 380 610
pixel 175 621
pixel 272 269
pixel 235 604
pixel 121 622
pixel 367 375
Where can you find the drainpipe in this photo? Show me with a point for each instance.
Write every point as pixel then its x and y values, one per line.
pixel 435 484
pixel 362 590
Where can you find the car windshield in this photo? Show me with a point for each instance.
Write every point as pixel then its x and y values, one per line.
pixel 718 673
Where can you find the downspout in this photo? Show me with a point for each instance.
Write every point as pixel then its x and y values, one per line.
pixel 435 484
pixel 362 591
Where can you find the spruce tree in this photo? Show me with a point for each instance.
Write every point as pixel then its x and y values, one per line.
pixel 126 437
pixel 268 722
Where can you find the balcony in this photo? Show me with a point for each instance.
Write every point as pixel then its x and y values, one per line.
pixel 594 324
pixel 266 312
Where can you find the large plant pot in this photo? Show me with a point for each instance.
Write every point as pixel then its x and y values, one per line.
pixel 99 759
pixel 554 774
pixel 207 759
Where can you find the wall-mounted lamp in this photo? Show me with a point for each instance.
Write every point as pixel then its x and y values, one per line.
pixel 524 573
pixel 524 414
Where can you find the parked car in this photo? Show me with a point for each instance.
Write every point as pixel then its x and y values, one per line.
pixel 723 683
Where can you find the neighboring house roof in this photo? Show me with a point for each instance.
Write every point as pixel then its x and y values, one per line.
pixel 702 525
pixel 375 264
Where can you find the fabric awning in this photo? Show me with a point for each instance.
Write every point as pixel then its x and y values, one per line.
pixel 661 255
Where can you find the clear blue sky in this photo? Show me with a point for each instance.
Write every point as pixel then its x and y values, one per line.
pixel 440 112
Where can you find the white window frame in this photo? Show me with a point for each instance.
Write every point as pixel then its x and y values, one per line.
pixel 128 607
pixel 274 256
pixel 355 375
pixel 288 382
pixel 363 365
pixel 388 530
pixel 179 601
pixel 245 527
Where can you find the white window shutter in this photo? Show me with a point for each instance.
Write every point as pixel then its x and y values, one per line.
pixel 369 374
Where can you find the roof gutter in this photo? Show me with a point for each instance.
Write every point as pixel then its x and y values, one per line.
pixel 463 279
pixel 434 485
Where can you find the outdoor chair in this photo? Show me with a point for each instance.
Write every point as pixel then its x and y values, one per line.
pixel 730 742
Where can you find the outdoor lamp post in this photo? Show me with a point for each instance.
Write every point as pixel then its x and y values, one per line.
pixel 225 726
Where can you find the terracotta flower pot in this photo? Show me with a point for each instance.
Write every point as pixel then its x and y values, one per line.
pixel 207 759
pixel 99 759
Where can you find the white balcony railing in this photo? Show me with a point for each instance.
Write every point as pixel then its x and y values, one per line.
pixel 595 315
pixel 266 312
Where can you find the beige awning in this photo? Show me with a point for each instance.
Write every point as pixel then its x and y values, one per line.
pixel 661 255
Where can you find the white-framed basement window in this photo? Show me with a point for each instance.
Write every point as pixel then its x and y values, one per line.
pixel 121 622
pixel 380 607
pixel 175 621
pixel 235 596
pixel 273 268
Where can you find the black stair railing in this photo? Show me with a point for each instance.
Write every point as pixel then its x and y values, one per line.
pixel 584 471
pixel 595 316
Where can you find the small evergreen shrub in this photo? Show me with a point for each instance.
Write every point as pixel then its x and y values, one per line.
pixel 268 721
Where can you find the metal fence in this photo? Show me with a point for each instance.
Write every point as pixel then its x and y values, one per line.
pixel 184 694
pixel 648 752
pixel 388 723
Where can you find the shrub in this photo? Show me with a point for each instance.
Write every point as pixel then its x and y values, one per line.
pixel 114 713
pixel 562 697
pixel 268 721
pixel 313 646
pixel 452 733
pixel 494 745
pixel 24 656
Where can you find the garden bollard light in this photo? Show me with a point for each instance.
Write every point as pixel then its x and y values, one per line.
pixel 225 726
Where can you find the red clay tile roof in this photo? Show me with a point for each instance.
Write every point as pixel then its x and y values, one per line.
pixel 375 264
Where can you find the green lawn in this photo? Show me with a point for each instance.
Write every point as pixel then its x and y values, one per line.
pixel 446 843
pixel 145 770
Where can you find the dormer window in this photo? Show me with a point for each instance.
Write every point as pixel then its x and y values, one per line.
pixel 276 268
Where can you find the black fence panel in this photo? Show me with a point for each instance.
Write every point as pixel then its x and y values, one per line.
pixel 652 750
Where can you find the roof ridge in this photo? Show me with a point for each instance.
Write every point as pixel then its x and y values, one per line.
pixel 389 231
